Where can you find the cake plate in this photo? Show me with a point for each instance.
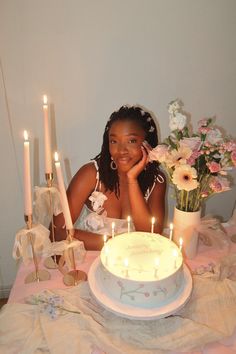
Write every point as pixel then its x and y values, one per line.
pixel 132 312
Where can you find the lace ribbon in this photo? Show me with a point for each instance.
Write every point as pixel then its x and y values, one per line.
pixel 47 203
pixel 64 248
pixel 212 233
pixel 22 245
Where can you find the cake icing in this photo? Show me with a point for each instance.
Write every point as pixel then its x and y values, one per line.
pixel 142 269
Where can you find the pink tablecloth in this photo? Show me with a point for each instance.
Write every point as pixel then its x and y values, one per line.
pixel 206 256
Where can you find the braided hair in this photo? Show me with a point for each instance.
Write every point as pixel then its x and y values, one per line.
pixel 108 176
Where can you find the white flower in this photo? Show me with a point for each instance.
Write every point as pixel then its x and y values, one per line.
pixel 173 107
pixel 214 136
pixel 97 200
pixel 94 221
pixel 177 122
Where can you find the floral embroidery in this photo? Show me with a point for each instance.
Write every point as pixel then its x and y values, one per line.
pixel 52 305
pixel 131 293
pixel 97 200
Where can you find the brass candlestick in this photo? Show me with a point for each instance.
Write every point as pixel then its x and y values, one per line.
pixel 75 276
pixel 39 274
pixel 51 263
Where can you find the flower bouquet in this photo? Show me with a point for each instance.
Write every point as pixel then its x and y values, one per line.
pixel 197 164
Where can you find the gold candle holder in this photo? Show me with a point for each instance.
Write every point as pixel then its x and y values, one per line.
pixel 49 179
pixel 75 276
pixel 39 274
pixel 50 262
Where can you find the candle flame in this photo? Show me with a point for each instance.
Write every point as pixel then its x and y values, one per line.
pixel 171 226
pixel 56 157
pixel 181 242
pixel 157 262
pixel 45 99
pixel 113 225
pixel 26 137
pixel 105 238
pixel 175 253
pixel 128 218
pixel 153 220
pixel 126 262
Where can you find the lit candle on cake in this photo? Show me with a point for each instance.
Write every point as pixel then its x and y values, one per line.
pixel 175 254
pixel 157 263
pixel 27 177
pixel 180 244
pixel 128 221
pixel 106 250
pixel 63 196
pixel 126 264
pixel 105 238
pixel 171 231
pixel 47 138
pixel 113 229
pixel 152 224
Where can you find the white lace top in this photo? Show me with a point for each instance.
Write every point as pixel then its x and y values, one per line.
pixel 96 220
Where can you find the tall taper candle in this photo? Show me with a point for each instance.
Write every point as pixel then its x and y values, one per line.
pixel 27 177
pixel 63 196
pixel 47 138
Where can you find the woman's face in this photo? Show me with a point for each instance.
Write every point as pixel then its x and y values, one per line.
pixel 125 141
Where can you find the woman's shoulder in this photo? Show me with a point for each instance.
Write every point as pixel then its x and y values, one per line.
pixel 86 174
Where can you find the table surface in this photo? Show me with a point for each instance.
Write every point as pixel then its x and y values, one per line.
pixel 205 258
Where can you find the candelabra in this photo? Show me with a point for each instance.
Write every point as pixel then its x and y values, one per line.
pixel 74 276
pixel 39 274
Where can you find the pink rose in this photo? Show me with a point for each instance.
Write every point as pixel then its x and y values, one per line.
pixel 214 136
pixel 214 167
pixel 219 184
pixel 193 143
pixel 203 122
pixel 158 153
pixel 233 157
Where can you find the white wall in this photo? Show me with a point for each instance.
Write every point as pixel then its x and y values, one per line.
pixel 90 57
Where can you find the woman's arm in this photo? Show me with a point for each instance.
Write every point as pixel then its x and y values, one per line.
pixel 80 188
pixel 143 211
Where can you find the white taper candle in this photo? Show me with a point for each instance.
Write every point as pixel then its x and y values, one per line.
pixel 47 138
pixel 63 196
pixel 27 177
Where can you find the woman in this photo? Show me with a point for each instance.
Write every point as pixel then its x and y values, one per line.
pixel 119 182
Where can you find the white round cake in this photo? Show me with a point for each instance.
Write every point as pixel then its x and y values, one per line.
pixel 142 269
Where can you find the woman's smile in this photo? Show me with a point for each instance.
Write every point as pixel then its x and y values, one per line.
pixel 125 141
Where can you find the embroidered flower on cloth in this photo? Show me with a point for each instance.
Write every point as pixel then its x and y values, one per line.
pixel 97 200
pixel 50 304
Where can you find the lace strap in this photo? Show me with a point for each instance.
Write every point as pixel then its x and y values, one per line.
pixel 98 183
pixel 159 179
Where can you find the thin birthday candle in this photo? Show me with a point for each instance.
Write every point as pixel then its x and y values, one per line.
pixel 113 229
pixel 128 221
pixel 157 263
pixel 152 224
pixel 47 138
pixel 27 177
pixel 175 254
pixel 180 244
pixel 171 231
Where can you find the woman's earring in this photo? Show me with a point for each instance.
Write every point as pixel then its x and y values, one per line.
pixel 113 164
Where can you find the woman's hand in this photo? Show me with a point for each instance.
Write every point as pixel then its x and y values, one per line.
pixel 133 173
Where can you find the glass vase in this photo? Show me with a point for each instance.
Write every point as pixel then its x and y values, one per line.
pixel 184 227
